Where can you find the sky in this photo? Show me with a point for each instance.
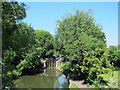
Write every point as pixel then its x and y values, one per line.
pixel 43 16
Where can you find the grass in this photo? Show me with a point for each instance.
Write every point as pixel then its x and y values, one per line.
pixel 73 86
pixel 113 75
pixel 114 83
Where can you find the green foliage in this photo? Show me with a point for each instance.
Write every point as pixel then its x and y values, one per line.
pixel 45 42
pixel 111 78
pixel 73 86
pixel 87 57
pixel 23 48
pixel 65 66
pixel 73 26
pixel 20 50
pixel 113 51
pixel 21 43
pixel 97 83
pixel 8 70
pixel 31 60
pixel 12 12
pixel 113 83
pixel 78 39
pixel 28 53
pixel 114 56
pixel 25 35
pixel 82 44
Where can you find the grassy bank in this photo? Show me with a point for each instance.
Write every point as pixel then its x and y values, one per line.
pixel 73 86
pixel 112 78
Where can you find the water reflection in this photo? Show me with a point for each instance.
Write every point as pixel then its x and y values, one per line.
pixel 51 78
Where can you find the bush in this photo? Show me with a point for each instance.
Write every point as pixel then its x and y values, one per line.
pixel 9 71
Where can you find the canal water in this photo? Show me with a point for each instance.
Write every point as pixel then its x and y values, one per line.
pixel 49 78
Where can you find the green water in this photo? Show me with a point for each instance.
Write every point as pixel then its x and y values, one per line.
pixel 50 78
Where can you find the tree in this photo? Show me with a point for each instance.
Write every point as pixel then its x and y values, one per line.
pixel 12 13
pixel 114 56
pixel 83 46
pixel 20 54
pixel 73 26
pixel 45 42
pixel 85 57
pixel 26 37
pixel 19 42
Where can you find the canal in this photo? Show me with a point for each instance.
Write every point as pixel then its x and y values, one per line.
pixel 49 78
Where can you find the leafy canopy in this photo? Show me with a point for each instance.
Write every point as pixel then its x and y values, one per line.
pixel 82 44
pixel 45 42
pixel 71 27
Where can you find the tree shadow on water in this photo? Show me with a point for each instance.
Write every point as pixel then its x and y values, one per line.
pixel 32 71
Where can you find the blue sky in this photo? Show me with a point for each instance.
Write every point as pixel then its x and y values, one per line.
pixel 43 15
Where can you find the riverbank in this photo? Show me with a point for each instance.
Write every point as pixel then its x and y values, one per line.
pixel 78 83
pixel 112 77
pixel 74 84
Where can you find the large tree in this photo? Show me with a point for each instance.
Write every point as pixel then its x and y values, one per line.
pixel 70 28
pixel 12 44
pixel 82 44
pixel 45 42
pixel 20 54
pixel 12 13
pixel 86 58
